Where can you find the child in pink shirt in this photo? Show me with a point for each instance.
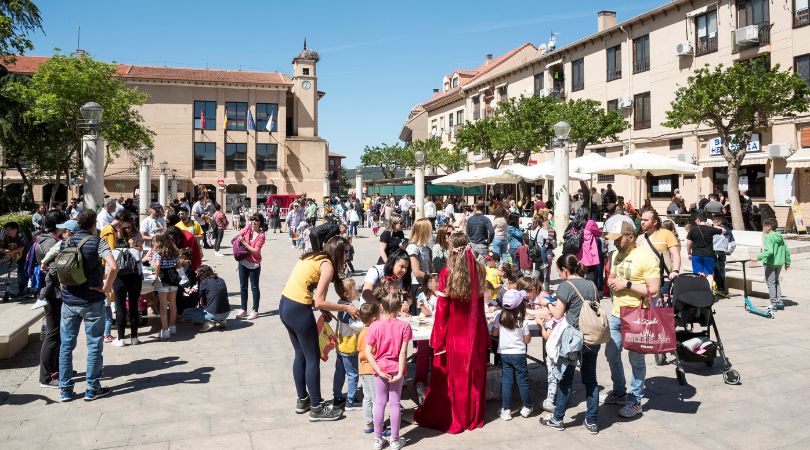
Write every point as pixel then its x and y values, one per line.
pixel 386 350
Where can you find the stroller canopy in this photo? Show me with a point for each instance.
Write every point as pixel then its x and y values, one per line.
pixel 692 290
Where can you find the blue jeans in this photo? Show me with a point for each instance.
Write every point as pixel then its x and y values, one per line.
pixel 251 275
pixel 514 370
pixel 613 352
pixel 499 246
pixel 345 367
pixel 108 320
pixel 588 373
pixel 22 275
pixel 353 228
pixel 200 315
pixel 72 316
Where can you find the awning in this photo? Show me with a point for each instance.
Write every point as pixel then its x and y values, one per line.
pixel 700 11
pixel 719 161
pixel 799 161
pixel 554 63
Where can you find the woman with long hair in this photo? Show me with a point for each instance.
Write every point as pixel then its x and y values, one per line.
pixel 397 270
pixel 588 253
pixel 391 239
pixel 514 235
pixel 440 248
pixel 456 398
pixel 165 258
pixel 252 238
pixel 306 289
pixel 419 251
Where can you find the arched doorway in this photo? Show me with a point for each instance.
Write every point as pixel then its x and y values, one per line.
pixel 235 194
pixel 61 192
pixel 263 191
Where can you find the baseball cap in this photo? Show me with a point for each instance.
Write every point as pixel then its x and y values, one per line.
pixel 620 228
pixel 512 298
pixel 156 206
pixel 71 225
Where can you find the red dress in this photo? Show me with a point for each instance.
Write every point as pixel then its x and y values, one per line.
pixel 456 398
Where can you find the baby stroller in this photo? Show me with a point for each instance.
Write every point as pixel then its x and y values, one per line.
pixel 692 299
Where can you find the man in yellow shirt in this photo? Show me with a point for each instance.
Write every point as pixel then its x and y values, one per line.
pixel 186 224
pixel 663 243
pixel 634 277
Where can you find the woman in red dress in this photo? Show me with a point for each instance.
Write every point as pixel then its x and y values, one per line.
pixel 456 398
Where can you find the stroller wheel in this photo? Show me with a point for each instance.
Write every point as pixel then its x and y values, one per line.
pixel 681 376
pixel 731 376
pixel 660 359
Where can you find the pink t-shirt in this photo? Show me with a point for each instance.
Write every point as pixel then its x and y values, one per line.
pixel 387 336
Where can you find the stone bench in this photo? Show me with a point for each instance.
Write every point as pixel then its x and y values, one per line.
pixel 16 318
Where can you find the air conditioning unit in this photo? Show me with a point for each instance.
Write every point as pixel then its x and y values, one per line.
pixel 686 157
pixel 779 150
pixel 625 102
pixel 747 35
pixel 544 92
pixel 684 49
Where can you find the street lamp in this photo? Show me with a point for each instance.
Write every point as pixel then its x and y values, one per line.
pixel 163 191
pixel 93 150
pixel 419 184
pixel 173 190
pixel 561 197
pixel 358 182
pixel 145 160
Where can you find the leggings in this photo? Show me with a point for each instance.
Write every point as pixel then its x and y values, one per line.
pixel 218 243
pixel 49 353
pixel 299 321
pixel 386 392
pixel 252 275
pixel 127 289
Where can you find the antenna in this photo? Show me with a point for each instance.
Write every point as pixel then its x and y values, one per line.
pixel 552 42
pixel 79 39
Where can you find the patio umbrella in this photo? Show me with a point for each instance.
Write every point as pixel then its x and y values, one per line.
pixel 545 171
pixel 460 178
pixel 587 163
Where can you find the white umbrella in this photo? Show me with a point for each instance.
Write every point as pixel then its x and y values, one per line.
pixel 545 171
pixel 488 175
pixel 587 163
pixel 455 179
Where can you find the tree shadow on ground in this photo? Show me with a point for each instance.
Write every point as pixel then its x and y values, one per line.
pixel 140 366
pixel 7 398
pixel 199 375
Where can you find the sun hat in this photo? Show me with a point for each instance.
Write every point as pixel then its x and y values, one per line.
pixel 512 298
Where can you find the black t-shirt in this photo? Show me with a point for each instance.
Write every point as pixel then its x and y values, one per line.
pixel 391 241
pixel 215 295
pixel 702 237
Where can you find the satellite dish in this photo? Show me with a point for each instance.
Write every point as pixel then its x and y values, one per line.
pixel 542 48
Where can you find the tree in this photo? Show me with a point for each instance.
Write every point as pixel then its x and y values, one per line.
pixel 478 136
pixel 737 101
pixel 17 19
pixel 524 125
pixel 53 97
pixel 448 159
pixel 389 158
pixel 590 123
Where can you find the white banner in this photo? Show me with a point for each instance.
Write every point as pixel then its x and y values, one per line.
pixel 716 145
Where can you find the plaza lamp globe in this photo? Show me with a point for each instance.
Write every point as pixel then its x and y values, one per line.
pixel 164 165
pixel 146 154
pixel 91 112
pixel 562 129
pixel 420 157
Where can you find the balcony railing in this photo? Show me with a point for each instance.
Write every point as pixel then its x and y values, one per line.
pixel 476 115
pixel 641 124
pixel 641 65
pixel 614 74
pixel 706 45
pixel 763 38
pixel 801 17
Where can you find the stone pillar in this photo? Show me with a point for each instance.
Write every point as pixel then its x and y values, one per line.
pixel 144 186
pixel 561 195
pixel 93 150
pixel 163 193
pixel 419 192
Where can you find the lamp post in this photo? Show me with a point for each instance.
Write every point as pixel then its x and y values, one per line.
pixel 93 150
pixel 164 176
pixel 145 160
pixel 173 189
pixel 326 184
pixel 358 183
pixel 419 185
pixel 561 196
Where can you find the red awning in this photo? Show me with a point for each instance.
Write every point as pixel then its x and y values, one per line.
pixel 284 200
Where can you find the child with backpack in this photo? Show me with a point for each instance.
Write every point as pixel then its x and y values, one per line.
pixel 347 332
pixel 512 329
pixel 522 254
pixel 165 260
pixel 775 255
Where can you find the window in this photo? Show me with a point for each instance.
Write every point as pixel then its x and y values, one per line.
pixel 661 187
pixel 446 87
pixel 801 65
pixel 205 155
pixel 236 112
pixel 676 144
pixel 557 79
pixel 476 107
pixel 460 117
pixel 641 54
pixel 265 111
pixel 614 63
pixel 612 105
pixel 450 120
pixel 752 12
pixel 455 82
pixel 602 178
pixel 210 113
pixel 578 74
pixel 433 128
pixel 538 83
pixel 801 13
pixel 755 175
pixel 706 33
pixel 641 111
pixel 305 71
pixel 502 93
pixel 235 156
pixel 267 157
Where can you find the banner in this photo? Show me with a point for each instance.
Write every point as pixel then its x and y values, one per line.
pixel 797 216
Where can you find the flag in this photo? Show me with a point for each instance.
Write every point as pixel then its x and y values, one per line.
pixel 225 124
pixel 251 123
pixel 269 126
pixel 202 118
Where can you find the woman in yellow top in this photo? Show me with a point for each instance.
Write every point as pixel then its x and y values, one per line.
pixel 306 289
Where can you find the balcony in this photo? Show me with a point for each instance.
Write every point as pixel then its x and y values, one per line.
pixel 641 65
pixel 476 114
pixel 763 38
pixel 801 17
pixel 642 124
pixel 706 45
pixel 614 74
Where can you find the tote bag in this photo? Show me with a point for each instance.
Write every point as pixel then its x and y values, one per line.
pixel 239 250
pixel 648 330
pixel 326 338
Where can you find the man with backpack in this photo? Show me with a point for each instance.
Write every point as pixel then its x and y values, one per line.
pixel 84 287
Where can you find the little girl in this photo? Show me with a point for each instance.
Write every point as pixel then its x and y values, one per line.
pixel 426 298
pixel 386 350
pixel 549 322
pixel 426 303
pixel 513 331
pixel 166 258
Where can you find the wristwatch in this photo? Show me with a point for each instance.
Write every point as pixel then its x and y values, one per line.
pixel 629 283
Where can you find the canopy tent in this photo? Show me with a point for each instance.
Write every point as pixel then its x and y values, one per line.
pixel 460 178
pixel 544 171
pixel 587 163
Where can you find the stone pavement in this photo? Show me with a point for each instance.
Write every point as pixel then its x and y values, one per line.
pixel 234 388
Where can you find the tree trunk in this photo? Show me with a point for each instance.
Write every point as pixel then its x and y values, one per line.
pixel 27 182
pixel 580 151
pixel 55 187
pixel 734 194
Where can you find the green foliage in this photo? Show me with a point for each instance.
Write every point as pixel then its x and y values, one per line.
pixel 524 125
pixel 451 160
pixel 590 123
pixel 23 220
pixel 479 136
pixel 389 158
pixel 344 182
pixel 17 19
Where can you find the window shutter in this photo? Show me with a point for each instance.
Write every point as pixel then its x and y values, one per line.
pixel 805 137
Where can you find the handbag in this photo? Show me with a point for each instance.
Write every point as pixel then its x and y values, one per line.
pixel 327 340
pixel 169 277
pixel 648 330
pixel 593 322
pixel 239 250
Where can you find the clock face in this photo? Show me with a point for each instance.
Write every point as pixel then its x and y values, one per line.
pixel 306 84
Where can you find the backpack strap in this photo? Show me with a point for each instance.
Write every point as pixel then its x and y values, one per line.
pixel 83 241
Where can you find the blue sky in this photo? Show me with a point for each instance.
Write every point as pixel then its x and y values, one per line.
pixel 378 58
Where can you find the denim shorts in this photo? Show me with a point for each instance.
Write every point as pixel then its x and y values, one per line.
pixel 160 287
pixel 703 264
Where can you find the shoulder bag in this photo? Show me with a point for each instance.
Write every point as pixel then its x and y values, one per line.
pixel 648 330
pixel 593 322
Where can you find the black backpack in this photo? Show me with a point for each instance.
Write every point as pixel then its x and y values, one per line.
pixel 127 262
pixel 534 246
pixel 572 240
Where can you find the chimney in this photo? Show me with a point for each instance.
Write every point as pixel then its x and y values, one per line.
pixel 488 59
pixel 435 91
pixel 605 20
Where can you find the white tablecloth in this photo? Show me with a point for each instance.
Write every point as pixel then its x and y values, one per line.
pixel 421 327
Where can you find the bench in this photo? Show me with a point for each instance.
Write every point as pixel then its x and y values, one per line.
pixel 16 318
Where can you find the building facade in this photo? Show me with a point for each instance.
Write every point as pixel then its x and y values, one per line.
pixel 637 65
pixel 234 134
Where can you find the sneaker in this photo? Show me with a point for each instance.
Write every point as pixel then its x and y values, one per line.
pixel 378 443
pixel 591 427
pixel 525 412
pixel 222 325
pixel 39 304
pixel 66 395
pixel 207 326
pixel 302 405
pixel 354 406
pixel 172 329
pixel 108 339
pixel 339 404
pixel 612 398
pixel 98 393
pixel 630 409
pixel 118 343
pixel 163 334
pixel 780 306
pixel 324 412
pixel 253 315
pixel 241 314
pixel 549 422
pixel 218 254
pixel 398 444
pixel 53 383
pixel 506 414
pixel 548 405
pixel 134 341
pixel 368 428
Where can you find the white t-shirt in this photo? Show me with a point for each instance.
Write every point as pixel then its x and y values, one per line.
pixel 511 342
pixel 449 210
pixel 104 218
pixel 404 204
pixel 150 227
pixel 375 273
pixel 423 255
pixel 352 216
pixel 430 209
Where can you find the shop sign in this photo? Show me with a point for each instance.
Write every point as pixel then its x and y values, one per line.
pixel 716 145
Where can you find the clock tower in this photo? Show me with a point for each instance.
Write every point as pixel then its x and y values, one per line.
pixel 305 92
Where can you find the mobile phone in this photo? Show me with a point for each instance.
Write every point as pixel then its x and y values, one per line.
pixel 420 297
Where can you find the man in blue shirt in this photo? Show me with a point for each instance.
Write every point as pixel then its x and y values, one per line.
pixel 480 231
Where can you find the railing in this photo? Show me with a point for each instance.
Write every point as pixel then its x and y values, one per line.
pixel 705 46
pixel 614 74
pixel 763 38
pixel 641 124
pixel 801 17
pixel 641 65
pixel 476 115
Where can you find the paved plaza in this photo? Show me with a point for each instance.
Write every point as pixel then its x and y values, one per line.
pixel 234 388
